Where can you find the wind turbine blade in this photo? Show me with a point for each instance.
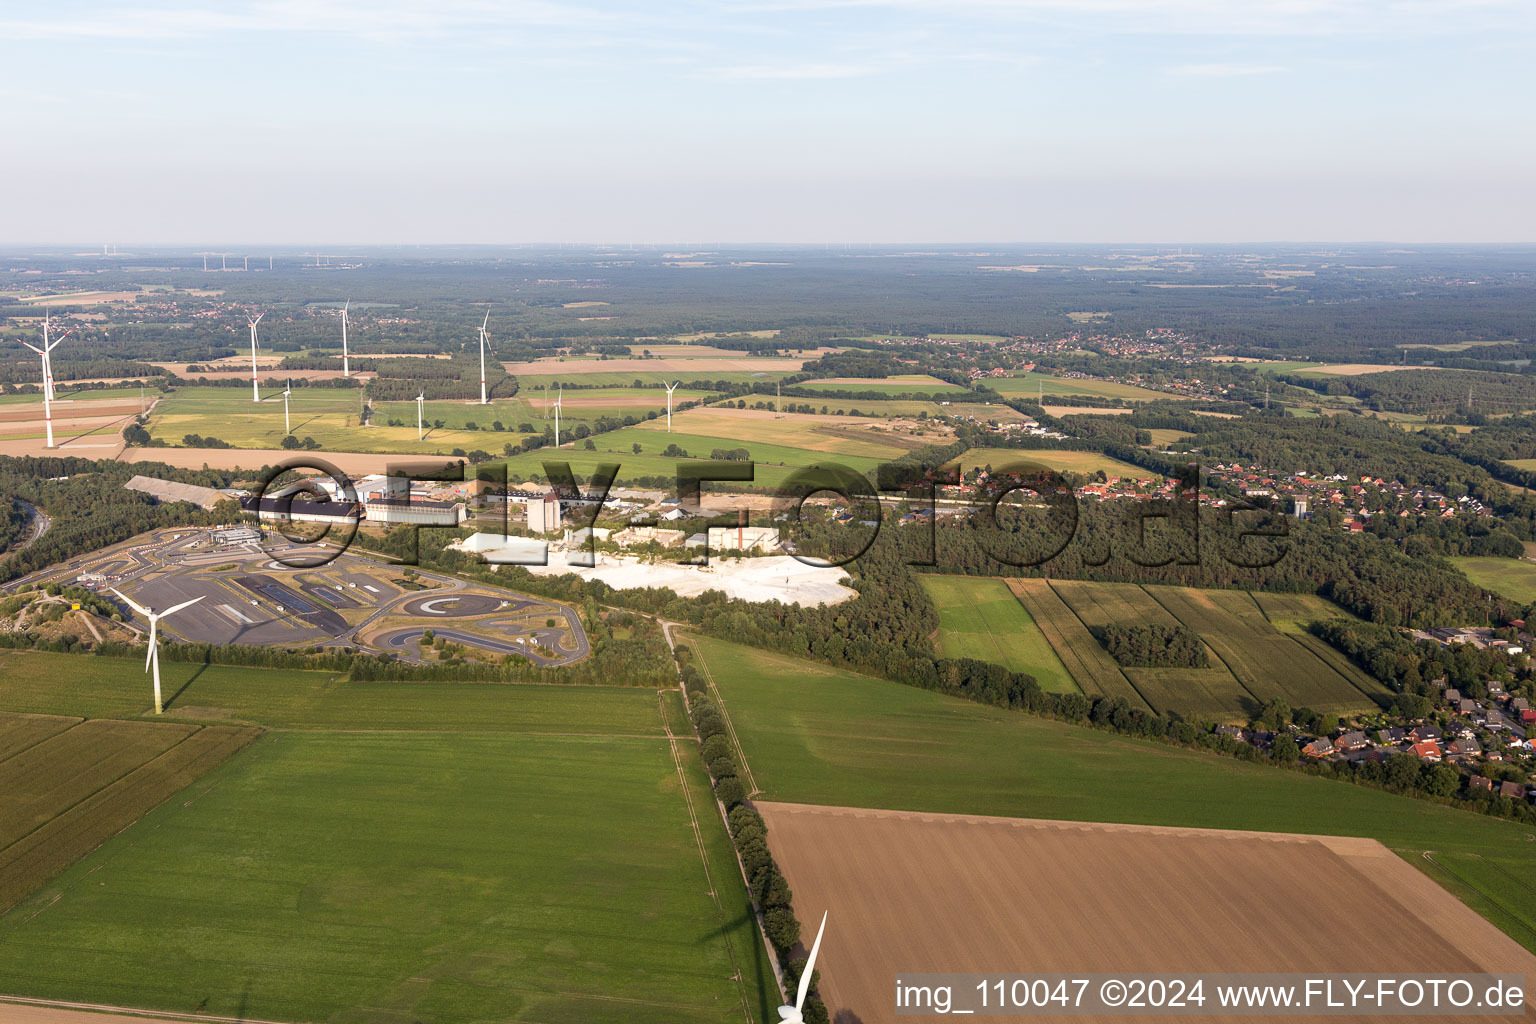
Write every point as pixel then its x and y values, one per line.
pixel 131 603
pixel 31 346
pixel 154 629
pixel 810 966
pixel 179 607
pixel 487 322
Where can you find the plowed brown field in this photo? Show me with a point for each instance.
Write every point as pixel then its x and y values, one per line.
pixel 919 892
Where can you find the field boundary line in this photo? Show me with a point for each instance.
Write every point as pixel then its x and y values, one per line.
pixel 741 755
pixel 128 1011
pixel 1212 647
pixel 1128 680
pixel 698 838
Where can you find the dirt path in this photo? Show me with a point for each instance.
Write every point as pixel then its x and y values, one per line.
pixel 16 1010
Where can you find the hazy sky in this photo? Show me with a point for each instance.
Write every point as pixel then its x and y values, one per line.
pixel 768 120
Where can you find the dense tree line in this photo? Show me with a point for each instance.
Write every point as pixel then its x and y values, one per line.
pixel 1153 645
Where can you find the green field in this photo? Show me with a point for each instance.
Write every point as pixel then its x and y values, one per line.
pixel 1514 578
pixel 65 395
pixel 775 462
pixel 1083 463
pixel 329 415
pixel 814 734
pixel 896 386
pixel 1097 674
pixel 1267 662
pixel 979 618
pixel 1031 384
pixel 398 852
pixel 1256 647
pixel 537 410
pixel 579 371
pixel 1526 464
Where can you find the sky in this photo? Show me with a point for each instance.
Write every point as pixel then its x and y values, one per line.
pixel 610 121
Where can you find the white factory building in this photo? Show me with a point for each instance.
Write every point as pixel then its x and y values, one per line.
pixel 544 513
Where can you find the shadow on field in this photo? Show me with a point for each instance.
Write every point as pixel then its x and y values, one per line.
pixel 186 686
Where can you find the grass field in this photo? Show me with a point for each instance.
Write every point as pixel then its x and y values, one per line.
pixel 895 386
pixel 329 415
pixel 1162 437
pixel 397 852
pixel 1256 645
pixel 1514 578
pixel 1267 662
pixel 1084 463
pixel 1095 672
pixel 817 735
pixel 1027 385
pixel 1526 464
pixel 69 786
pixel 587 374
pixel 979 618
pixel 537 410
pixel 776 456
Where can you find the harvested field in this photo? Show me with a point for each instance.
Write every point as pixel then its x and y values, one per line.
pixel 1010 894
pixel 354 464
pixel 1097 674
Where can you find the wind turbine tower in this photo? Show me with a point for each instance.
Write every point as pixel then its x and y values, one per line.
pixel 152 659
pixel 484 338
pixel 670 388
pixel 345 372
pixel 420 398
pixel 255 390
pixel 47 360
pixel 559 400
pixel 287 425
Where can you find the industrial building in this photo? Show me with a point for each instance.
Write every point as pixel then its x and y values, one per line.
pixel 743 538
pixel 300 511
pixel 544 513
pixel 636 535
pixel 499 550
pixel 417 513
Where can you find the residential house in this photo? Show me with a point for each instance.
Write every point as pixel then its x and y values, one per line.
pixel 1350 741
pixel 1428 750
pixel 1478 782
pixel 1320 747
pixel 1466 746
pixel 1513 790
pixel 1424 732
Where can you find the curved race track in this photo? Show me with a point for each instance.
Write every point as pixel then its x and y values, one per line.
pixel 453 605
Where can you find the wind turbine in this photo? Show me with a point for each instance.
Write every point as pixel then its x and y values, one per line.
pixel 670 388
pixel 287 429
pixel 152 659
pixel 422 397
pixel 484 340
pixel 795 1014
pixel 344 371
pixel 48 347
pixel 559 401
pixel 255 391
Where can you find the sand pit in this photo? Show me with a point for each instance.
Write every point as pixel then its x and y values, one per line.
pixel 916 892
pixel 1084 410
pixel 773 578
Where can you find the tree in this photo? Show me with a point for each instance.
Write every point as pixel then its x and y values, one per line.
pixel 729 791
pixel 1285 750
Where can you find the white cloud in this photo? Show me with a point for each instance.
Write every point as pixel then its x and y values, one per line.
pixel 789 72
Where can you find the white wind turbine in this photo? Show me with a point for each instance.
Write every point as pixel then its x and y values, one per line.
pixel 287 427
pixel 670 388
pixel 795 1014
pixel 255 391
pixel 420 398
pixel 559 401
pixel 152 659
pixel 48 346
pixel 345 371
pixel 485 339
